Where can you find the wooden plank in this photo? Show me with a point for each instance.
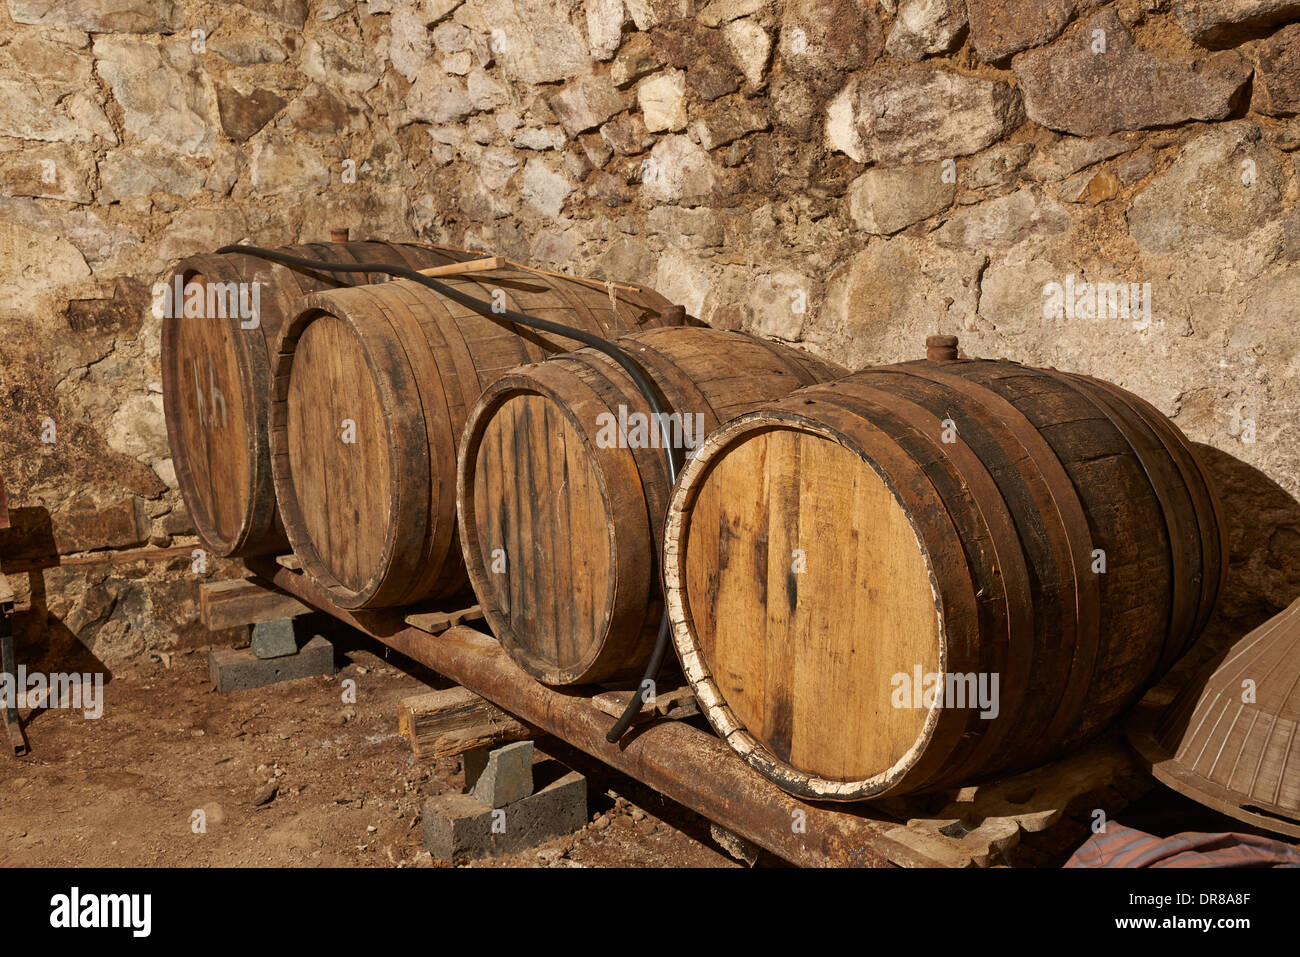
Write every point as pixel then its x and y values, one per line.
pixel 442 724
pixel 244 601
pixel 675 703
pixel 149 554
pixel 436 622
pixel 983 823
pixel 291 562
pixel 474 265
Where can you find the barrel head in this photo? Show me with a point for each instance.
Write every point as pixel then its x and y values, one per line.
pixel 210 409
pixel 812 604
pixel 339 454
pixel 545 536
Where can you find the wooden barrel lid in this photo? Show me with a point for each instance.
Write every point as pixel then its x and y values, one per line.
pixel 804 650
pixel 1232 741
pixel 339 453
pixel 549 548
pixel 213 366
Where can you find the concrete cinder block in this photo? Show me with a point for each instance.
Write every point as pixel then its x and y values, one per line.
pixel 241 670
pixel 273 639
pixel 500 776
pixel 461 826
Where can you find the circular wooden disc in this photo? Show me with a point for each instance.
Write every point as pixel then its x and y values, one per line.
pixel 214 426
pixel 546 546
pixel 810 595
pixel 338 446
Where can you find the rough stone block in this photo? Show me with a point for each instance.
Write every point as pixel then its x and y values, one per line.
pixel 461 826
pixel 241 670
pixel 273 639
pixel 500 776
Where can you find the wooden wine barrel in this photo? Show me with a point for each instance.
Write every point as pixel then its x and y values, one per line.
pixel 562 490
pixel 836 560
pixel 216 378
pixel 373 385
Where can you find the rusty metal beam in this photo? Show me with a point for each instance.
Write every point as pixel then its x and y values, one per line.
pixel 693 767
pixel 11 728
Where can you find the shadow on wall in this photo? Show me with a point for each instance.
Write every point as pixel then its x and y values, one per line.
pixel 42 642
pixel 1264 554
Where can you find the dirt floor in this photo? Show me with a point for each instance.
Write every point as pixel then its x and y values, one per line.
pixel 292 775
pixel 122 790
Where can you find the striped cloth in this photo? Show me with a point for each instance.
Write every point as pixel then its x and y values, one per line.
pixel 1122 846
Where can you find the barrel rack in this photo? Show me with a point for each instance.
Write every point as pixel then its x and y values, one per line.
pixel 1040 815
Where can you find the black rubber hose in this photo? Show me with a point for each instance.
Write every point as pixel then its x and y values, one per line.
pixel 629 365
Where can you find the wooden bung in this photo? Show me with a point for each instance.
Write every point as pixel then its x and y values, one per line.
pixel 941 348
pixel 372 387
pixel 923 575
pixel 216 377
pixel 563 485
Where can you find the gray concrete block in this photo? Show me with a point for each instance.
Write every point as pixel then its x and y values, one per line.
pixel 273 639
pixel 460 826
pixel 240 670
pixel 500 776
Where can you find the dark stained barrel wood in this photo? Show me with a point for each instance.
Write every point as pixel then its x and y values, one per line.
pixel 373 519
pixel 953 516
pixel 562 490
pixel 216 380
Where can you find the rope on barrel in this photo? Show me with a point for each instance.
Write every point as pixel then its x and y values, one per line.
pixel 629 365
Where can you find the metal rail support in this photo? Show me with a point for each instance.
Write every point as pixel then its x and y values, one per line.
pixel 13 731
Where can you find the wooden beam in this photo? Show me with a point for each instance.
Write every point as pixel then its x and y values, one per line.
pixel 244 601
pixel 473 265
pixel 104 558
pixel 441 724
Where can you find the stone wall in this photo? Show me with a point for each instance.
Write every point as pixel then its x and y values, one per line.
pixel 1102 187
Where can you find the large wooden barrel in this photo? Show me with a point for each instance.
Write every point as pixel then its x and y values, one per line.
pixel 848 570
pixel 216 378
pixel 563 488
pixel 373 385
